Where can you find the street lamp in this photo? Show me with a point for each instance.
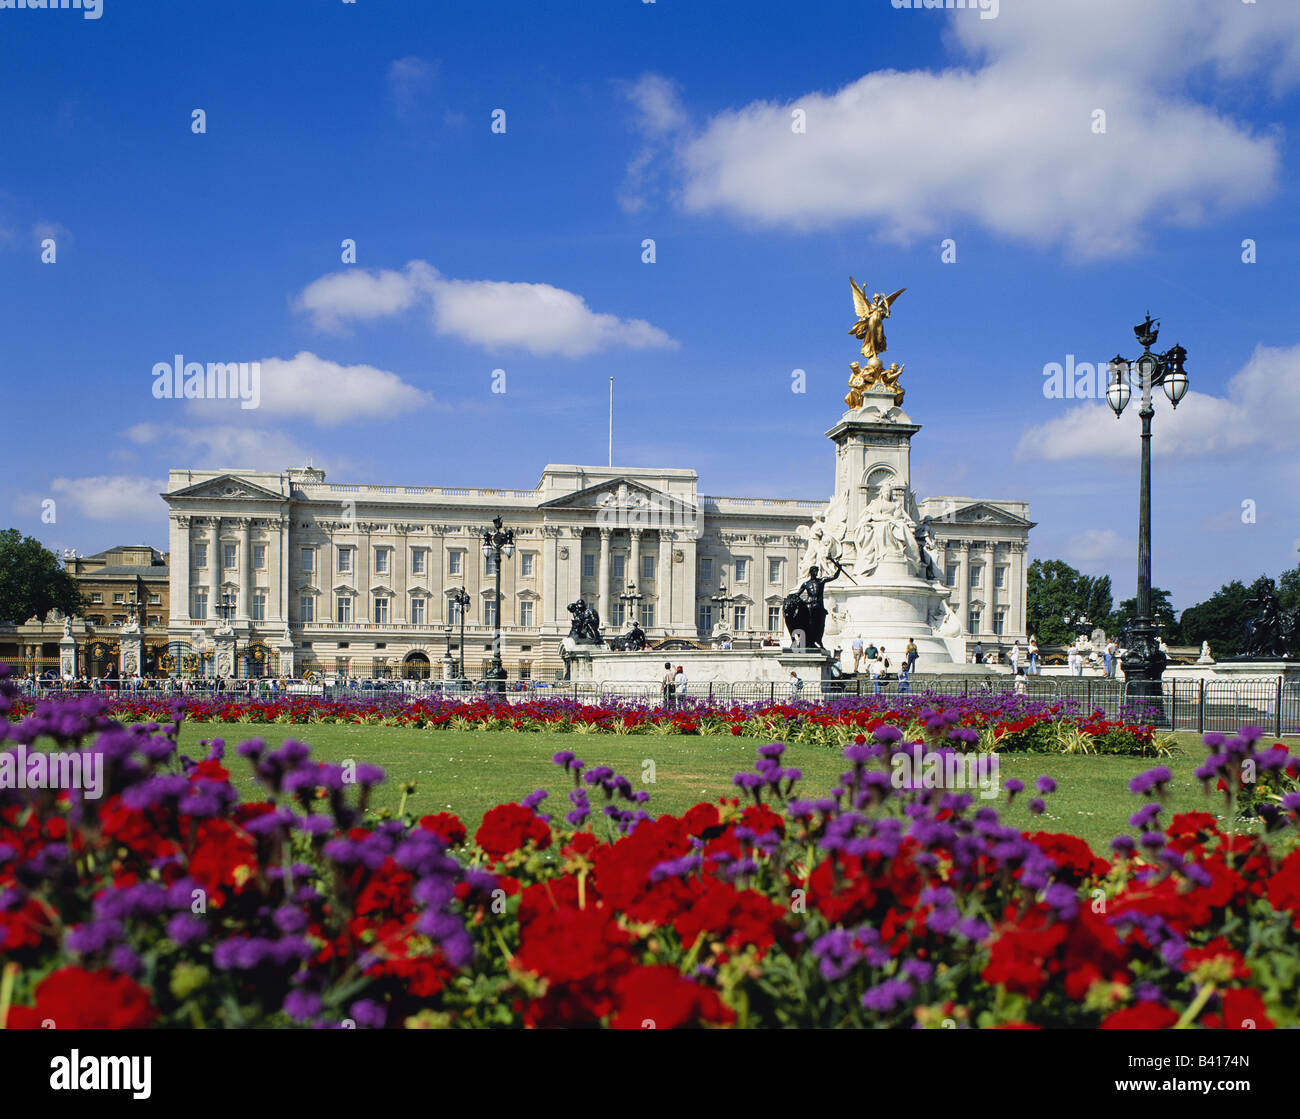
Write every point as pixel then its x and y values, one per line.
pixel 724 601
pixel 226 610
pixel 460 599
pixel 1080 624
pixel 497 543
pixel 631 600
pixel 1144 663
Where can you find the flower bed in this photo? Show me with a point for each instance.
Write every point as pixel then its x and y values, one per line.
pixel 886 902
pixel 1005 722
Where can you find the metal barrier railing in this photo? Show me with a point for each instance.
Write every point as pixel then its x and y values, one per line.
pixel 1272 703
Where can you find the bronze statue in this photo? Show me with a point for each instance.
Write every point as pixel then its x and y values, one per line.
pixel 585 629
pixel 804 610
pixel 870 327
pixel 1272 631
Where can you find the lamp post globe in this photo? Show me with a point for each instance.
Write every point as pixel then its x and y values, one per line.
pixel 497 542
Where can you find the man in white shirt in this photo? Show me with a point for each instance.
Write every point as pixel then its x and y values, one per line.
pixel 857 648
pixel 876 668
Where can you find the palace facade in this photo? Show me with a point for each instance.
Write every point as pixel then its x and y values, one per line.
pixel 362 580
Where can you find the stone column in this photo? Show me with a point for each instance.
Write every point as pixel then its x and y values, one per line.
pixel 963 583
pixel 131 658
pixel 223 663
pixel 664 581
pixel 602 576
pixel 634 576
pixel 68 657
pixel 992 593
pixel 1015 590
pixel 214 566
pixel 245 568
pixel 180 573
pixel 551 580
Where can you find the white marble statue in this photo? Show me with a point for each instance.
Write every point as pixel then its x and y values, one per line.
pixel 944 621
pixel 1205 657
pixel 884 529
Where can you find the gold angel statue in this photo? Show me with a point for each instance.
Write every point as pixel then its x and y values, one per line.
pixel 870 326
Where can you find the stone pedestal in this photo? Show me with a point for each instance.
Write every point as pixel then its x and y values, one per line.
pixel 132 655
pixel 223 663
pixel 590 664
pixel 285 651
pixel 68 657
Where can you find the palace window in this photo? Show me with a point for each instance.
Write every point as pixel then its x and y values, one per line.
pixel 490 564
pixel 742 571
pixel 417 611
pixel 647 614
pixel 200 606
pixel 526 564
pixel 343 611
pixel 773 571
pixel 155 600
pixel 647 567
pixel 381 610
pixel 259 606
pixel 345 561
pixel 417 561
pixel 307 608
pixel 307 559
pixel 454 613
pixel 619 612
pixel 620 567
pixel 525 612
pixel 999 622
pixel 950 575
pixel 229 555
pixel 489 612
pixel 975 575
pixel 119 598
pixel 973 620
pixel 96 596
pixel 259 556
pixel 381 561
pixel 774 618
pixel 455 562
pixel 588 566
pixel 741 618
pixel 706 569
pixel 706 618
pixel 200 555
pixel 1000 577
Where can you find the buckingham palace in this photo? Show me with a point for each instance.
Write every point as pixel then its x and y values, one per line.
pixel 288 573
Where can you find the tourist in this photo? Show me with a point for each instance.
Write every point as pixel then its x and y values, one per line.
pixel 870 652
pixel 669 687
pixel 912 653
pixel 1033 656
pixel 1022 685
pixel 1074 662
pixel 903 677
pixel 679 682
pixel 1015 657
pixel 979 652
pixel 795 683
pixel 1109 657
pixel 857 647
pixel 877 669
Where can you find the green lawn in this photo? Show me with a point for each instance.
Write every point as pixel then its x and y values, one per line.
pixel 469 771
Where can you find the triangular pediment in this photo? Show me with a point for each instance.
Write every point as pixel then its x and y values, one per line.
pixel 984 513
pixel 616 493
pixel 227 487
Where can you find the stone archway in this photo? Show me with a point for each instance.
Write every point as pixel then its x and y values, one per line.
pixel 416 666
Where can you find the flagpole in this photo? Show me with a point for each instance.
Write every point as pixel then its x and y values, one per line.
pixel 611 421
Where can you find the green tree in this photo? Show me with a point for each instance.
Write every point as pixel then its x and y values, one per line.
pixel 1221 619
pixel 32 581
pixel 1161 609
pixel 1053 590
pixel 1288 589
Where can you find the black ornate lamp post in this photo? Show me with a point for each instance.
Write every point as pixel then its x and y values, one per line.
pixel 724 601
pixel 497 543
pixel 1079 624
pixel 460 599
pixel 631 600
pixel 226 610
pixel 1144 662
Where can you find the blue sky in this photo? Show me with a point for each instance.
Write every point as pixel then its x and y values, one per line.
pixel 480 250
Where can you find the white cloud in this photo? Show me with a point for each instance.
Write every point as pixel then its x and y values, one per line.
pixel 409 81
pixel 658 103
pixel 221 445
pixel 1260 410
pixel 538 318
pixel 1007 142
pixel 1095 549
pixel 111 497
pixel 329 394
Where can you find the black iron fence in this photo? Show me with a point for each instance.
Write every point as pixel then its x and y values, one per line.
pixel 1272 703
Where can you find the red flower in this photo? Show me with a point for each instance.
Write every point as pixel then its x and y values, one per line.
pixel 445 825
pixel 760 820
pixel 1284 887
pixel 1144 1016
pixel 75 999
pixel 1243 1009
pixel 1070 853
pixel 701 818
pixel 508 828
pixel 659 998
pixel 223 857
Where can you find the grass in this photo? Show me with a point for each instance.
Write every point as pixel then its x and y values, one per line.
pixel 467 772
